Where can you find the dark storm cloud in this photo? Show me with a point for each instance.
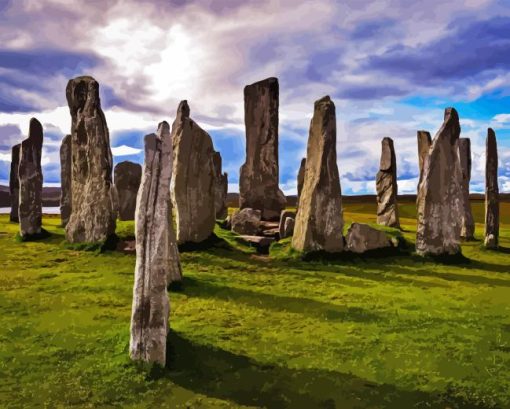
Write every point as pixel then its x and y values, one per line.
pixel 470 48
pixel 45 63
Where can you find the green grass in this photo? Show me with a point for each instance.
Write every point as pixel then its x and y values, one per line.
pixel 252 331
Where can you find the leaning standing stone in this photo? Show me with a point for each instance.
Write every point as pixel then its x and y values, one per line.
pixel 468 224
pixel 221 188
pixel 30 181
pixel 14 183
pixel 93 208
pixel 491 192
pixel 258 181
pixel 440 200
pixel 193 182
pixel 157 259
pixel 319 220
pixel 386 184
pixel 127 176
pixel 65 179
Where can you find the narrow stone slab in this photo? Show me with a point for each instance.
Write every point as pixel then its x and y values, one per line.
pixel 319 220
pixel 193 179
pixel 491 191
pixel 440 199
pixel 258 181
pixel 386 185
pixel 127 177
pixel 65 179
pixel 261 243
pixel 157 258
pixel 31 181
pixel 221 188
pixel 14 183
pixel 468 224
pixel 300 179
pixel 283 217
pixel 93 209
pixel 424 144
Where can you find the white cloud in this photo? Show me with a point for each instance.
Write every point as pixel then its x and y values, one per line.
pixel 124 150
pixel 6 157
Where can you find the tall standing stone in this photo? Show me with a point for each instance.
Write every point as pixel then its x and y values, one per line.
pixel 127 176
pixel 386 184
pixel 93 213
pixel 221 188
pixel 258 182
pixel 157 258
pixel 193 181
pixel 300 179
pixel 440 200
pixel 30 181
pixel 319 220
pixel 424 143
pixel 14 183
pixel 491 191
pixel 468 224
pixel 65 179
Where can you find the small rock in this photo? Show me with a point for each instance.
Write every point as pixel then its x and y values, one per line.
pixel 246 221
pixel 361 238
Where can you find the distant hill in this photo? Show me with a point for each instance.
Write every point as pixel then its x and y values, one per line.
pixel 51 197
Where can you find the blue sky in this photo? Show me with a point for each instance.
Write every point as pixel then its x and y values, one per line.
pixel 391 67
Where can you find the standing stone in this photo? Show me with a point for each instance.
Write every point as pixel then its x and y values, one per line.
pixel 440 200
pixel 193 179
pixel 319 220
pixel 288 227
pixel 127 176
pixel 424 143
pixel 386 184
pixel 93 207
pixel 283 217
pixel 258 182
pixel 468 224
pixel 157 258
pixel 300 179
pixel 30 181
pixel 491 191
pixel 14 183
pixel 65 179
pixel 220 189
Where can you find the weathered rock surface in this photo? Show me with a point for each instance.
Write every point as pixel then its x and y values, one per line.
pixel 386 185
pixel 258 182
pixel 193 179
pixel 30 181
pixel 157 258
pixel 283 217
pixel 127 176
pixel 319 220
pixel 65 179
pixel 93 207
pixel 261 243
pixel 246 221
pixel 221 188
pixel 424 144
pixel 440 200
pixel 288 227
pixel 491 191
pixel 14 183
pixel 468 224
pixel 361 238
pixel 300 179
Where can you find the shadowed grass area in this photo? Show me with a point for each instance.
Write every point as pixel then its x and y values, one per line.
pixel 383 331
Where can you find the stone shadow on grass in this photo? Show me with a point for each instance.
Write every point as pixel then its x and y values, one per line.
pixel 218 373
pixel 279 303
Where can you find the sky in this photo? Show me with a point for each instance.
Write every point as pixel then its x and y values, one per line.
pixel 390 66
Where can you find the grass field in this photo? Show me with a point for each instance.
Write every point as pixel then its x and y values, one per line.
pixel 253 331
